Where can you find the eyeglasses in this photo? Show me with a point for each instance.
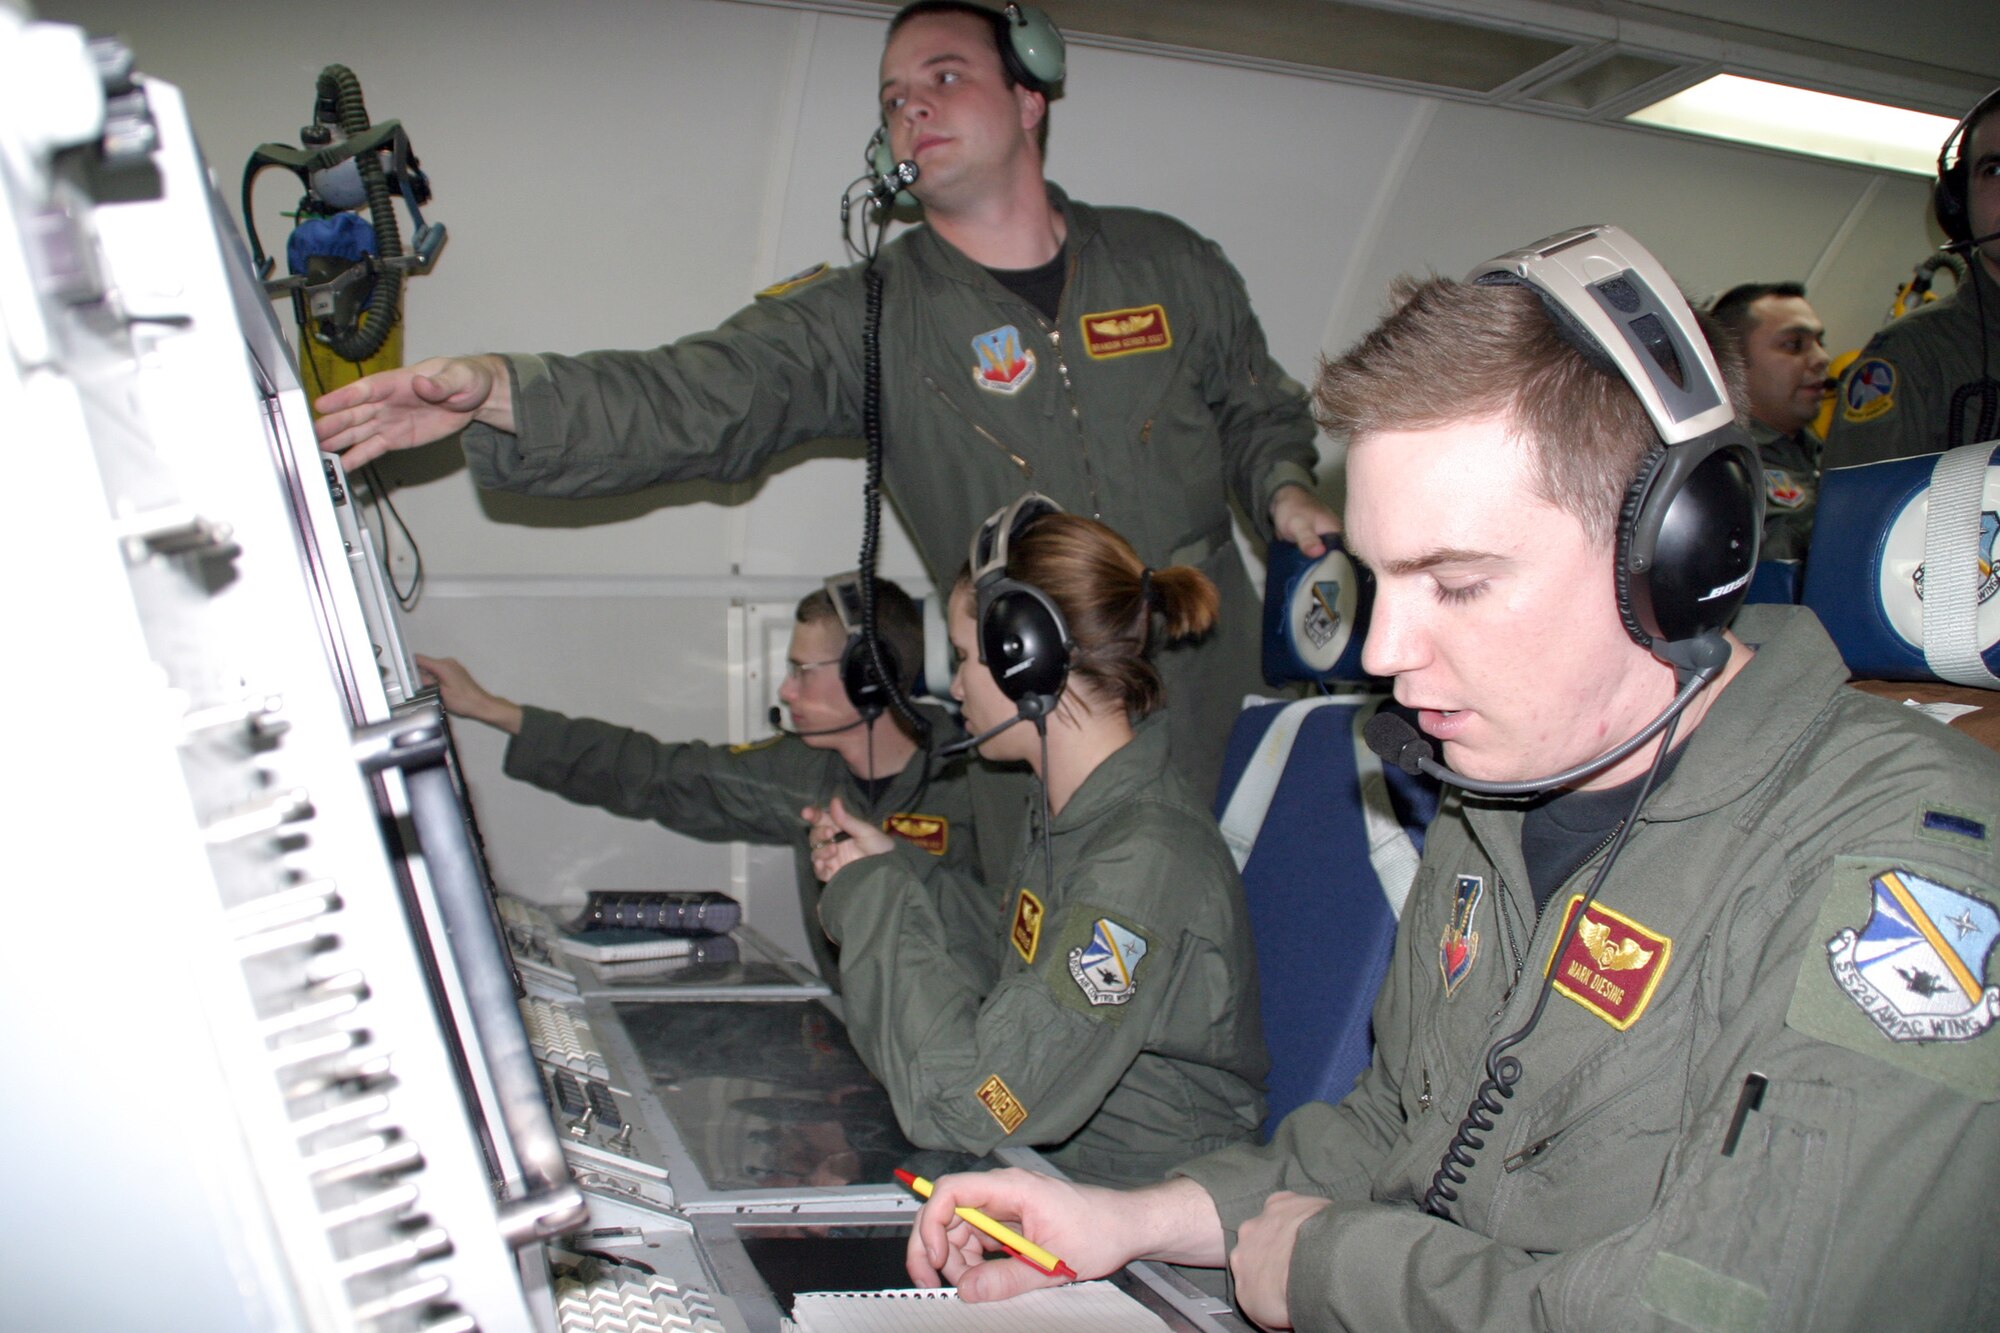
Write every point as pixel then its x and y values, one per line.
pixel 797 670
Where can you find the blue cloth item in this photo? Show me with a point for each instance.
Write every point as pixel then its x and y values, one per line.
pixel 343 236
pixel 1323 921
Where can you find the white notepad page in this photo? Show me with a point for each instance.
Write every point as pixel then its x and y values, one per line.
pixel 1080 1307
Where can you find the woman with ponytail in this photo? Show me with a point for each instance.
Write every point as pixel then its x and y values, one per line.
pixel 1106 1013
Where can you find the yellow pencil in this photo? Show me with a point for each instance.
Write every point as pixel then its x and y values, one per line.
pixel 1018 1245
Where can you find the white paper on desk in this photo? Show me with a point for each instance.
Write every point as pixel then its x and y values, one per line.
pixel 1081 1307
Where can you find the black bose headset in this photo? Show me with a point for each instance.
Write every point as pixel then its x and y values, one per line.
pixel 1948 199
pixel 1689 527
pixel 860 668
pixel 1023 639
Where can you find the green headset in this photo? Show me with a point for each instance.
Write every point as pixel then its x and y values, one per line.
pixel 1031 51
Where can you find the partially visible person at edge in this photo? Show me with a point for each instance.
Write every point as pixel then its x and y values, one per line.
pixel 1763 1094
pixel 1109 1015
pixel 753 793
pixel 1927 382
pixel 1783 344
pixel 1106 357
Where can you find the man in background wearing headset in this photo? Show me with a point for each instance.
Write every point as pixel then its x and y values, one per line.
pixel 757 792
pixel 1107 358
pixel 1751 1082
pixel 1927 382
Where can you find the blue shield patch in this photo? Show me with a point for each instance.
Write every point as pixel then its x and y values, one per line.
pixel 1917 966
pixel 1004 365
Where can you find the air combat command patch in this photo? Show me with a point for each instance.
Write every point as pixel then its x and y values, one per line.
pixel 1003 365
pixel 1902 972
pixel 1612 964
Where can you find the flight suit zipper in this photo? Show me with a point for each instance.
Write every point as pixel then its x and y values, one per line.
pixel 1054 332
pixel 1027 469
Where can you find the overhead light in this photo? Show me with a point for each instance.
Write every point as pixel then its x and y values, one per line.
pixel 1772 115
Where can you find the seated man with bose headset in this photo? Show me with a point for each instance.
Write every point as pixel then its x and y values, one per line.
pixel 848 744
pixel 1701 1034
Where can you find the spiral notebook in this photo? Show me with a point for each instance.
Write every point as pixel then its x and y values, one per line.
pixel 1085 1307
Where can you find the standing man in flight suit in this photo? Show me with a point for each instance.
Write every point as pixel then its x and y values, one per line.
pixel 1757 1076
pixel 1107 358
pixel 1930 381
pixel 758 792
pixel 1783 344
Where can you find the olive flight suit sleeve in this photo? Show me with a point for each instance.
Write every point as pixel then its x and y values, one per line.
pixel 1031 1059
pixel 716 793
pixel 1892 402
pixel 718 405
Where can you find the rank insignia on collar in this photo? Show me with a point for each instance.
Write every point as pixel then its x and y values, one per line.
pixel 1106 968
pixel 932 833
pixel 1611 965
pixel 1001 1103
pixel 1110 333
pixel 1917 965
pixel 1869 390
pixel 1004 366
pixel 1459 948
pixel 1026 932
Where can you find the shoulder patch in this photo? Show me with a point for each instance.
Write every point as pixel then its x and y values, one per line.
pixel 748 746
pixel 797 280
pixel 1869 391
pixel 1782 490
pixel 932 833
pixel 1001 1103
pixel 1900 969
pixel 1110 333
pixel 1026 932
pixel 1106 967
pixel 1612 964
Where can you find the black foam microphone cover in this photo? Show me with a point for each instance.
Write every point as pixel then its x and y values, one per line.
pixel 1395 741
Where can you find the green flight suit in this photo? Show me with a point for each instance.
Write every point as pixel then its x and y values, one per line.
pixel 1896 399
pixel 1791 489
pixel 1860 1192
pixel 1149 403
pixel 1110 1020
pixel 753 793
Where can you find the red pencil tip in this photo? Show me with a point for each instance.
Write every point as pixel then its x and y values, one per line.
pixel 904 1177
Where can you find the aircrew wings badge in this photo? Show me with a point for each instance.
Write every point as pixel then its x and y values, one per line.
pixel 1106 967
pixel 1459 948
pixel 932 833
pixel 1611 965
pixel 1110 333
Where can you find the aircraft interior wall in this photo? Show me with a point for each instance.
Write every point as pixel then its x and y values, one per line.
pixel 620 172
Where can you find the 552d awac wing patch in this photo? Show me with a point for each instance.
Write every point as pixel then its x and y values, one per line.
pixel 1904 976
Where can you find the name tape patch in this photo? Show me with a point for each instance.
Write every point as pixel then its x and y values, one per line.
pixel 1612 964
pixel 932 833
pixel 1110 333
pixel 1001 1103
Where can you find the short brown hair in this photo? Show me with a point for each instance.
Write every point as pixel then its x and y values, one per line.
pixel 1109 597
pixel 1450 352
pixel 898 620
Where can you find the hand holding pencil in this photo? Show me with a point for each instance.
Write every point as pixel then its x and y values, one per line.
pixel 1055 1231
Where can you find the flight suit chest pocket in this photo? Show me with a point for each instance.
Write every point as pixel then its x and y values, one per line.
pixel 1740 1238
